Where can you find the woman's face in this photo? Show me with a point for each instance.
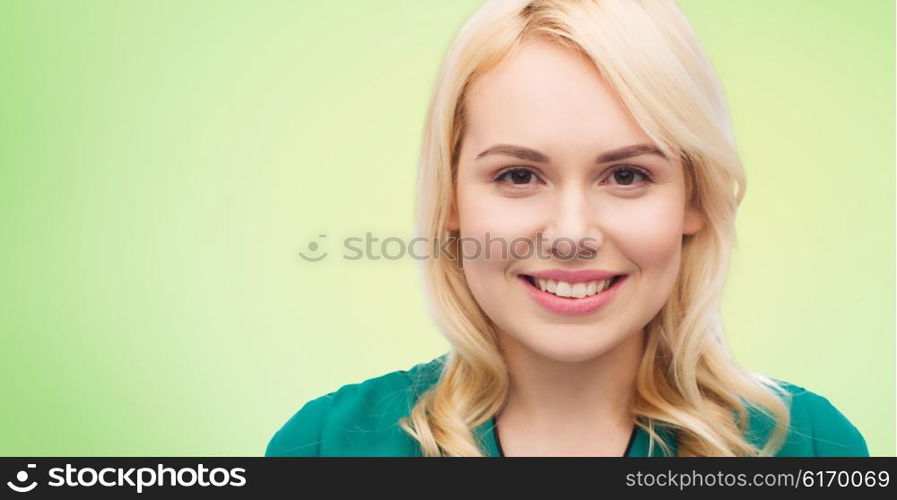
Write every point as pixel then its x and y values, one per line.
pixel 583 208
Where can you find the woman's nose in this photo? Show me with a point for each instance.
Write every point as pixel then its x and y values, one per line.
pixel 572 229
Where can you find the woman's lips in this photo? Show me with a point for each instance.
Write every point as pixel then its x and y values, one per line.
pixel 569 305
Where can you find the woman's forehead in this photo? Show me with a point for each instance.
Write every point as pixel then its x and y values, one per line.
pixel 545 94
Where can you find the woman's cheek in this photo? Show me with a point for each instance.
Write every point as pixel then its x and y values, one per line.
pixel 651 239
pixel 506 226
pixel 650 233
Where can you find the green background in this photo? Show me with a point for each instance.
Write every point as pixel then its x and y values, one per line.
pixel 163 163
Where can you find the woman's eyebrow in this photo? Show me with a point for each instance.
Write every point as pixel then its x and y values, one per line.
pixel 528 154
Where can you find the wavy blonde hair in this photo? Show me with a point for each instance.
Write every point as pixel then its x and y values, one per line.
pixel 687 381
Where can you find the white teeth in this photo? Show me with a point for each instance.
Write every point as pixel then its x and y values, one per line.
pixel 576 290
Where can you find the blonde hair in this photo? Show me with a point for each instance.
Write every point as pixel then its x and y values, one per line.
pixel 687 381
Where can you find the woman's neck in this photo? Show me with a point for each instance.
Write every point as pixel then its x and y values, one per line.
pixel 547 393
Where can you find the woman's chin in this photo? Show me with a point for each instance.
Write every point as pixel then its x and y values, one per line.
pixel 571 350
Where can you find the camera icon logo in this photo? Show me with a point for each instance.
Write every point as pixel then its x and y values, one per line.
pixel 21 477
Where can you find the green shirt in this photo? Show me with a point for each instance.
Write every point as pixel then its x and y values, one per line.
pixel 362 420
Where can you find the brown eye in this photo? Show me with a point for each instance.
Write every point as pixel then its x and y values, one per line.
pixel 627 176
pixel 518 177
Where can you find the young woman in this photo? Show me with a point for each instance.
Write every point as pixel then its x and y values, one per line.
pixel 587 145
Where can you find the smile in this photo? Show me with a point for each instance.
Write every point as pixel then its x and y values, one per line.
pixel 576 290
pixel 563 297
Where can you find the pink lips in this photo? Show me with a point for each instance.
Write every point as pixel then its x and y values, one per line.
pixel 570 305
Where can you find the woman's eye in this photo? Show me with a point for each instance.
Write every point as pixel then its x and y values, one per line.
pixel 627 176
pixel 518 177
